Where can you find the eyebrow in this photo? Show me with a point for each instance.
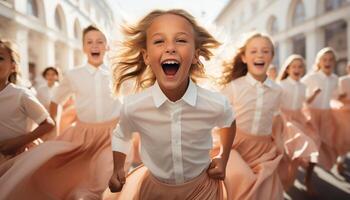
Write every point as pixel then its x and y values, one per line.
pixel 178 33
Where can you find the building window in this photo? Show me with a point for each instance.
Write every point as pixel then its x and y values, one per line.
pixel 334 4
pixel 32 8
pixel 276 60
pixel 77 29
pixel 299 13
pixel 272 26
pixel 58 20
pixel 254 7
pixel 299 45
pixel 336 37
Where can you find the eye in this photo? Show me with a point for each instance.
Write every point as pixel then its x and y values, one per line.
pixel 158 41
pixel 266 51
pixel 181 40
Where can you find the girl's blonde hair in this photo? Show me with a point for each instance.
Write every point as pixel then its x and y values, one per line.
pixel 283 73
pixel 129 64
pixel 237 68
pixel 320 54
pixel 15 58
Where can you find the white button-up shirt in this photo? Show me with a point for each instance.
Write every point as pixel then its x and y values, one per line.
pixel 175 136
pixel 328 86
pixel 92 89
pixel 44 94
pixel 17 104
pixel 293 94
pixel 344 86
pixel 255 103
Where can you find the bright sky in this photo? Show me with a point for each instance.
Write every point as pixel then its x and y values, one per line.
pixel 132 10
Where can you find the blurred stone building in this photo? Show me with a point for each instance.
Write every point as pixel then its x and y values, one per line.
pixel 297 26
pixel 48 32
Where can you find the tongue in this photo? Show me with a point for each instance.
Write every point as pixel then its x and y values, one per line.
pixel 171 71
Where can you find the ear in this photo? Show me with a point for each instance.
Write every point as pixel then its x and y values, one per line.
pixel 107 48
pixel 196 56
pixel 244 60
pixel 13 67
pixel 145 56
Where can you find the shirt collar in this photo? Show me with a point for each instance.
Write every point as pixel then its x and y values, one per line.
pixel 92 70
pixel 323 74
pixel 190 96
pixel 290 80
pixel 252 81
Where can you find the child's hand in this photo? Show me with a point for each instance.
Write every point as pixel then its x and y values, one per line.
pixel 217 169
pixel 12 146
pixel 342 96
pixel 117 181
pixel 317 91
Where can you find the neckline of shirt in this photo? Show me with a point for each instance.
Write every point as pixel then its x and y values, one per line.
pixel 268 82
pixel 190 96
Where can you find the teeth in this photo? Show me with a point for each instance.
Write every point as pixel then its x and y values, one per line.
pixel 170 62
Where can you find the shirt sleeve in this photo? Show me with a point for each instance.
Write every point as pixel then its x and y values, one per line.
pixel 228 91
pixel 278 103
pixel 307 80
pixel 122 134
pixel 341 85
pixel 337 91
pixel 227 116
pixel 63 91
pixel 32 108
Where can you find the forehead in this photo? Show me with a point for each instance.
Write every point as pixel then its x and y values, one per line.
pixel 328 54
pixel 94 34
pixel 259 42
pixel 297 61
pixel 170 23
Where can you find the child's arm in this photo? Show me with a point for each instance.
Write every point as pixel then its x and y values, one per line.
pixel 60 96
pixel 217 168
pixel 313 96
pixel 342 95
pixel 121 144
pixel 118 178
pixel 53 110
pixel 13 145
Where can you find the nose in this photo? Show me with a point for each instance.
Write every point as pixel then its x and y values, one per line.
pixel 170 48
pixel 170 51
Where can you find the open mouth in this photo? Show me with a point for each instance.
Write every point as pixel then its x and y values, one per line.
pixel 95 54
pixel 170 67
pixel 259 64
pixel 297 74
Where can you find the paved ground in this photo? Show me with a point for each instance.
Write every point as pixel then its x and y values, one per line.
pixel 329 185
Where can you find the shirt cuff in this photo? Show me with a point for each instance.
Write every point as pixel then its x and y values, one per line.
pixel 40 119
pixel 120 145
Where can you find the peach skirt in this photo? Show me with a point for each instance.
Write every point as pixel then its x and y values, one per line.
pixel 251 171
pixel 76 165
pixel 341 113
pixel 324 123
pixel 141 184
pixel 299 148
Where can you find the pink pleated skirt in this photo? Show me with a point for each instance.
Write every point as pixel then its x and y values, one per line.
pixel 141 184
pixel 251 171
pixel 76 165
pixel 341 113
pixel 325 127
pixel 299 148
